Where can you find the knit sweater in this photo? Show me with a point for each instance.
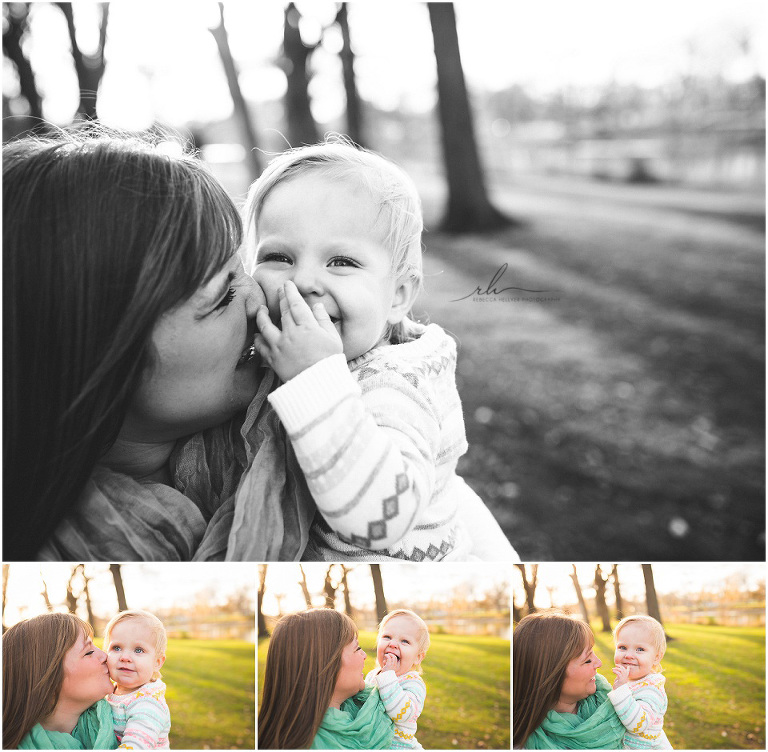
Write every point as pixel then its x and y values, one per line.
pixel 641 705
pixel 142 719
pixel 378 440
pixel 403 697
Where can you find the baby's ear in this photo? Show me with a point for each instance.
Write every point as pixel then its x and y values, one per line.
pixel 159 661
pixel 403 299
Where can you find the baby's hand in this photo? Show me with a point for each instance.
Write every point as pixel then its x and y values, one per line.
pixel 390 663
pixel 307 336
pixel 622 676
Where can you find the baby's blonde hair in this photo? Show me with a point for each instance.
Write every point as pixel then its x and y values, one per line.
pixel 391 189
pixel 156 629
pixel 422 633
pixel 655 630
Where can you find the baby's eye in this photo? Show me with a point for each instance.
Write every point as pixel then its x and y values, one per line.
pixel 115 649
pixel 278 257
pixel 342 261
pixel 640 650
pixel 406 642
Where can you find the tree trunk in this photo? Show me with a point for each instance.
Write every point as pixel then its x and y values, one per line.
pixel 304 588
pixel 579 595
pixel 529 585
pixel 378 591
pixel 652 602
pixel 602 607
pixel 117 578
pixel 354 107
pixel 469 208
pixel 329 589
pixel 617 593
pixel 88 604
pixel 89 68
pixel 261 621
pixel 45 595
pixel 301 125
pixel 71 598
pixel 347 599
pixel 242 113
pixel 16 27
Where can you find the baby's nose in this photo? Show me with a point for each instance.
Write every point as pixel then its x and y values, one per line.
pixel 306 277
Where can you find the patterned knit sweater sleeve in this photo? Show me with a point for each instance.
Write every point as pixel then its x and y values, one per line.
pixel 403 699
pixel 369 453
pixel 641 706
pixel 142 719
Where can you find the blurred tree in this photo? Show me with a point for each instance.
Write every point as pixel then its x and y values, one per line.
pixel 579 595
pixel 301 125
pixel 378 591
pixel 304 588
pixel 329 588
pixel 347 599
pixel 44 593
pixel 650 595
pixel 262 624
pixel 517 611
pixel 15 27
pixel 89 68
pixel 242 113
pixel 347 55
pixel 617 593
pixel 529 585
pixel 602 607
pixel 87 594
pixel 71 598
pixel 469 208
pixel 117 578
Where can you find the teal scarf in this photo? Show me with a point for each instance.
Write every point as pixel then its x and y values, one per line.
pixel 595 725
pixel 94 730
pixel 362 723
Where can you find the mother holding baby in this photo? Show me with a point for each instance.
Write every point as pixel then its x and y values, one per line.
pixel 314 692
pixel 559 699
pixel 135 407
pixel 54 684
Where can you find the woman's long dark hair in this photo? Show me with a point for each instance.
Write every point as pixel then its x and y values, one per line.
pixel 102 234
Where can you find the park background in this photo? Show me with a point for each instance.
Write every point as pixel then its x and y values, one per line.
pixel 714 618
pixel 208 612
pixel 609 154
pixel 465 606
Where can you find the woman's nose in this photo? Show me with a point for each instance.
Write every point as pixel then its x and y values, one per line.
pixel 102 655
pixel 254 298
pixel 598 662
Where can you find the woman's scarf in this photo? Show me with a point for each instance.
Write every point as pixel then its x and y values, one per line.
pixel 595 725
pixel 94 730
pixel 239 495
pixel 362 723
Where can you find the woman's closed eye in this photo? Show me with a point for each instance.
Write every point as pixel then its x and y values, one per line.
pixel 227 299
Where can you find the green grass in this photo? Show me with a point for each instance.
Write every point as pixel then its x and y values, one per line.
pixel 468 696
pixel 715 685
pixel 210 694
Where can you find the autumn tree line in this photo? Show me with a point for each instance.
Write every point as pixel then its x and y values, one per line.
pixel 468 208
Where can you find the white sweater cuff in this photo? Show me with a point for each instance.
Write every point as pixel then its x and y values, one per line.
pixel 312 392
pixel 617 695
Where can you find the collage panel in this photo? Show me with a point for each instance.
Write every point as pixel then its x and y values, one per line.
pixel 149 656
pixel 384 656
pixel 639 656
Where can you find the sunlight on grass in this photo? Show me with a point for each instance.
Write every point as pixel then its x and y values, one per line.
pixel 210 693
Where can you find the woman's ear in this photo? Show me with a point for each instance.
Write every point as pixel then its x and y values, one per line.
pixel 403 299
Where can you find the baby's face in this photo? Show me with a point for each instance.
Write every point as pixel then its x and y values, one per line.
pixel 634 648
pixel 400 637
pixel 132 657
pixel 322 234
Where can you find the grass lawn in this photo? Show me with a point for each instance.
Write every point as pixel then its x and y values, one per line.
pixel 468 697
pixel 210 694
pixel 638 394
pixel 715 685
